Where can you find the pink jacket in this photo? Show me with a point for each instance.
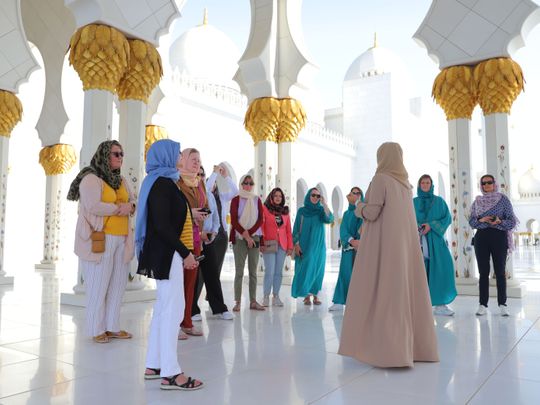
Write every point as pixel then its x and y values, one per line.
pixel 271 231
pixel 91 213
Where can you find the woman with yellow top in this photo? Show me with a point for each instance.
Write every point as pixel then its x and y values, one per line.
pixel 105 204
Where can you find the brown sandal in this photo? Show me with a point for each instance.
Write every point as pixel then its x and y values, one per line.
pixel 103 338
pixel 307 300
pixel 192 331
pixel 316 301
pixel 256 306
pixel 236 307
pixel 119 335
pixel 182 336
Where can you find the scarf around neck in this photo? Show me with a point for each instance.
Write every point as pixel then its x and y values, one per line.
pixel 250 214
pixel 426 200
pixel 280 209
pixel 99 166
pixel 486 201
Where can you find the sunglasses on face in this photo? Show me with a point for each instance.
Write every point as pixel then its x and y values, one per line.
pixel 117 154
pixel 201 174
pixel 248 183
pixel 316 195
pixel 484 183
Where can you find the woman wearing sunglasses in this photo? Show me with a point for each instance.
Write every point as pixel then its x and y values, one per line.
pixel 310 246
pixel 246 220
pixel 433 219
pixel 493 217
pixel 105 205
pixel 349 234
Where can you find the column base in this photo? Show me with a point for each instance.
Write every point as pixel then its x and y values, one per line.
pixel 46 266
pixel 469 286
pixel 78 300
pixel 6 280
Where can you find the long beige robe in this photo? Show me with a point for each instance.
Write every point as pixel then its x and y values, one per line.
pixel 388 320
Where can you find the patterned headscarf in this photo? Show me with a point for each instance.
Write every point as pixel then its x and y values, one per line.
pixel 486 201
pixel 280 209
pixel 100 165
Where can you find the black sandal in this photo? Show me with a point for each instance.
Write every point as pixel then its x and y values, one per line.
pixel 154 376
pixel 189 385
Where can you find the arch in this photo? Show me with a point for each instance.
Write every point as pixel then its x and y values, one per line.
pixel 533 225
pixel 337 207
pixel 322 189
pixel 301 191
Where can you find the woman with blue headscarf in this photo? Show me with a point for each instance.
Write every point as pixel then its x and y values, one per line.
pixel 310 246
pixel 349 234
pixel 163 241
pixel 433 219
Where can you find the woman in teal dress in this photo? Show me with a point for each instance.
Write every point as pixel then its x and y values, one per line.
pixel 433 219
pixel 310 246
pixel 349 234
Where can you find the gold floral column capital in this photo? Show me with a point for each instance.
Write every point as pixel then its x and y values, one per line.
pixel 454 90
pixel 10 112
pixel 143 74
pixel 153 133
pixel 262 119
pixel 57 159
pixel 100 55
pixel 291 121
pixel 498 81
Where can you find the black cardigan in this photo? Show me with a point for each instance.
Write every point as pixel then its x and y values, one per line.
pixel 167 208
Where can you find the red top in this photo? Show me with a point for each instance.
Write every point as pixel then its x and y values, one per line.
pixel 235 225
pixel 282 233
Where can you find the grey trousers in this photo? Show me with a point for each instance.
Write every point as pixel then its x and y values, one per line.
pixel 241 252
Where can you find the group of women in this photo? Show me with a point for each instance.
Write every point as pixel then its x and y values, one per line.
pixel 181 228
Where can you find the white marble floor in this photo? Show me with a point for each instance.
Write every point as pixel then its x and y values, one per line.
pixel 281 356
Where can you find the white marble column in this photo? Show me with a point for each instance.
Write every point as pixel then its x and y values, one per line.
pixel 132 133
pixel 97 122
pixel 498 164
pixel 53 223
pixel 460 204
pixel 266 160
pixel 285 181
pixel 4 154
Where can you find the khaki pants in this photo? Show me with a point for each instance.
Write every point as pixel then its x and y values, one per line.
pixel 241 252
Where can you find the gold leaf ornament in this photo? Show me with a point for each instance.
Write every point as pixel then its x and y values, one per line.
pixel 153 133
pixel 498 81
pixel 292 120
pixel 57 159
pixel 144 72
pixel 100 55
pixel 10 112
pixel 454 90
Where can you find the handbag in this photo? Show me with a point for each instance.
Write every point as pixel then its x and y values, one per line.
pixel 98 241
pixel 270 246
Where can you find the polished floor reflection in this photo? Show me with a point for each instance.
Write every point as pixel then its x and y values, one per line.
pixel 281 356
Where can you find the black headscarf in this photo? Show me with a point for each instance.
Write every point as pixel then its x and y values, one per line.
pixel 280 209
pixel 101 167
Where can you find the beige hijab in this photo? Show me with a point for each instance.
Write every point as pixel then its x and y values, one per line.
pixel 190 178
pixel 250 214
pixel 390 162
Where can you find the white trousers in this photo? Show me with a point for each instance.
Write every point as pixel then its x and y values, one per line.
pixel 168 313
pixel 105 284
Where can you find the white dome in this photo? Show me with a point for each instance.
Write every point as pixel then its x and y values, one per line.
pixel 374 61
pixel 204 52
pixel 529 184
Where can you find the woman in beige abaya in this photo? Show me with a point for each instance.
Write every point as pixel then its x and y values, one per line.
pixel 388 320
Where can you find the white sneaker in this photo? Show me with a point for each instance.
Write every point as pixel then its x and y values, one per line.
pixel 504 310
pixel 196 318
pixel 336 307
pixel 266 301
pixel 276 302
pixel 226 316
pixel 482 310
pixel 443 310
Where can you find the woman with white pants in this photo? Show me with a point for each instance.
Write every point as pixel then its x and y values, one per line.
pixel 105 205
pixel 164 240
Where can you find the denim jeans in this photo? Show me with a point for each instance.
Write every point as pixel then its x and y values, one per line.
pixel 273 270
